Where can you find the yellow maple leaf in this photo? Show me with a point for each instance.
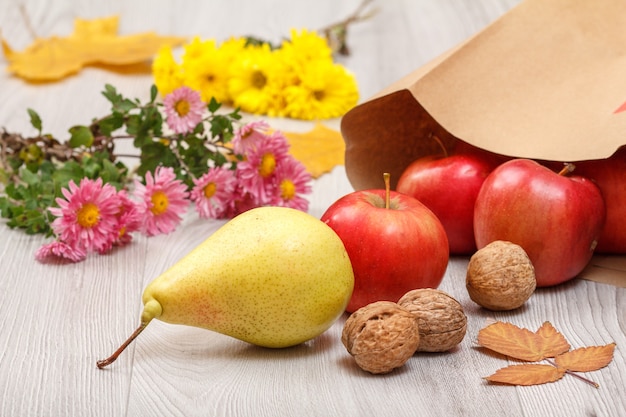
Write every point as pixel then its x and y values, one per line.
pixel 319 150
pixel 93 42
pixel 527 374
pixel 586 359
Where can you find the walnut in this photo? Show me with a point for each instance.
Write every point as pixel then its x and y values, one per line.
pixel 381 336
pixel 500 276
pixel 441 320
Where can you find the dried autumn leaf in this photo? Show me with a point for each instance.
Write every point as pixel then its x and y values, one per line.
pixel 520 343
pixel 554 343
pixel 546 342
pixel 92 42
pixel 513 341
pixel 319 150
pixel 527 374
pixel 586 359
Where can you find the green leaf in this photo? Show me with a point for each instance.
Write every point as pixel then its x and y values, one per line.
pixel 153 121
pixel 71 170
pixel 4 206
pixel 11 191
pixel 213 105
pixel 144 126
pixel 235 115
pixel 111 174
pixel 35 120
pixel 111 94
pixel 14 163
pixel 153 93
pixel 124 106
pixel 111 123
pixel 220 125
pixel 30 177
pixel 91 169
pixel 33 221
pixel 46 169
pixel 80 136
pixel 155 154
pixel 199 129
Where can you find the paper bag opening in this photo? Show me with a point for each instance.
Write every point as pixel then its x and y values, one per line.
pixel 545 81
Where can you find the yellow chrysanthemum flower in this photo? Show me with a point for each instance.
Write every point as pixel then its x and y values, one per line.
pixel 196 49
pixel 209 75
pixel 305 46
pixel 232 47
pixel 205 69
pixel 326 90
pixel 256 81
pixel 166 71
pixel 297 52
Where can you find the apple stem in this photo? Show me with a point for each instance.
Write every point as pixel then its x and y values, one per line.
pixel 105 362
pixel 387 179
pixel 567 169
pixel 440 143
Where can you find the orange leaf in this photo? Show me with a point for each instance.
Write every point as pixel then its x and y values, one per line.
pixel 513 341
pixel 527 374
pixel 554 343
pixel 319 150
pixel 92 42
pixel 586 359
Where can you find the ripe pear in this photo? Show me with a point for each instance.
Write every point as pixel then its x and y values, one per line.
pixel 272 276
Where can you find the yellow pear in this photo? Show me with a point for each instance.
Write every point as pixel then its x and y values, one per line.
pixel 272 276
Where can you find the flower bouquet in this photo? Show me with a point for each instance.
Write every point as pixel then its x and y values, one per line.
pixel 82 195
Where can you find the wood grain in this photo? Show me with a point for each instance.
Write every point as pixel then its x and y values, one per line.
pixel 57 320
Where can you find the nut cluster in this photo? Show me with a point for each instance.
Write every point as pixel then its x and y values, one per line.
pixel 383 335
pixel 500 276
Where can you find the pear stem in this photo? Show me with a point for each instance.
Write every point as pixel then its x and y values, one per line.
pixel 105 362
pixel 567 169
pixel 387 179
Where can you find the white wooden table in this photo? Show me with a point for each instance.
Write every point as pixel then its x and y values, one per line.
pixel 57 320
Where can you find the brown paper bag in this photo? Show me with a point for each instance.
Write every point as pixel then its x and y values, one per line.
pixel 545 81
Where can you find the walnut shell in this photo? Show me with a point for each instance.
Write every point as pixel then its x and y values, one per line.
pixel 500 276
pixel 441 320
pixel 381 336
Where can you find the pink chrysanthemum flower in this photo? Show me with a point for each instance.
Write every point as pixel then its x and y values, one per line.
pixel 60 250
pixel 86 218
pixel 256 172
pixel 214 192
pixel 128 219
pixel 292 182
pixel 248 136
pixel 183 109
pixel 163 200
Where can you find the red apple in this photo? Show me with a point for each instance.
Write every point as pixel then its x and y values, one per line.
pixel 449 185
pixel 556 218
pixel 393 250
pixel 610 176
